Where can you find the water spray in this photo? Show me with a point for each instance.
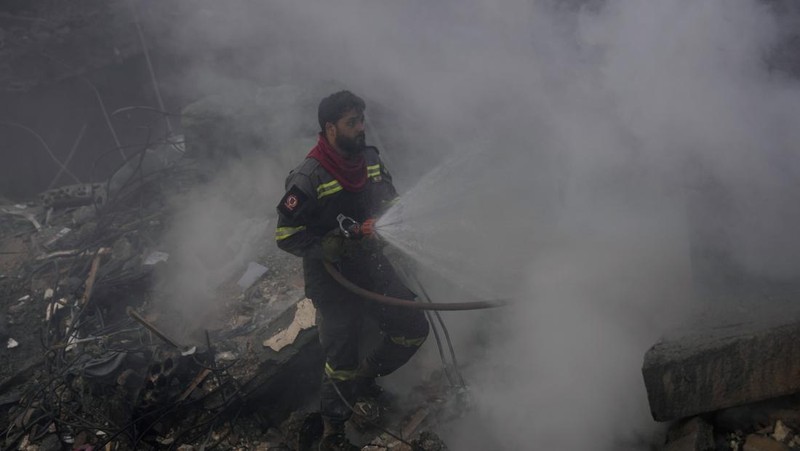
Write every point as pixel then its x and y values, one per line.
pixel 352 229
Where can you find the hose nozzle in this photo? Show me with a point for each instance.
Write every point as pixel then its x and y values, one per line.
pixel 354 230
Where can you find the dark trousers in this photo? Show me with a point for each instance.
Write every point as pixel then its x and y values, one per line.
pixel 340 321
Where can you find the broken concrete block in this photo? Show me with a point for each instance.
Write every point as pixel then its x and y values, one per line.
pixel 760 443
pixel 304 318
pixel 690 435
pixel 722 367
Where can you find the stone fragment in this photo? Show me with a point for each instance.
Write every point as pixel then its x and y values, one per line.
pixel 690 435
pixel 789 417
pixel 304 318
pixel 781 432
pixel 760 443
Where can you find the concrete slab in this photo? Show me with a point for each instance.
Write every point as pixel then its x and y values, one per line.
pixel 740 353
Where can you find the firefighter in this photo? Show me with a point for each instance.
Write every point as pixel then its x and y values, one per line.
pixel 342 175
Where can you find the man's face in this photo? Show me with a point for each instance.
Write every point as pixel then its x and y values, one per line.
pixel 350 136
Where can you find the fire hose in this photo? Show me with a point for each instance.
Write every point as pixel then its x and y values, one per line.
pixel 353 230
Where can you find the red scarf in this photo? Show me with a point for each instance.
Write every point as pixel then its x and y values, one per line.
pixel 350 173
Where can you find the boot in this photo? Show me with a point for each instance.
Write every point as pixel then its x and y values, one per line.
pixel 369 389
pixel 334 438
pixel 372 405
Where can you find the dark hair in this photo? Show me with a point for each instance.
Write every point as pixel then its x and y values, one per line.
pixel 333 107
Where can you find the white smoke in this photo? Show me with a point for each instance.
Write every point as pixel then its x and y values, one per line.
pixel 579 143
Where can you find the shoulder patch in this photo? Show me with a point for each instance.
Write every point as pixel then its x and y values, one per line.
pixel 292 202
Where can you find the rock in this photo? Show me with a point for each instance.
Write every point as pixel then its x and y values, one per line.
pixel 690 435
pixel 716 368
pixel 761 443
pixel 790 417
pixel 781 432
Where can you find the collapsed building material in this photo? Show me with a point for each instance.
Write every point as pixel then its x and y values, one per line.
pixel 253 272
pixel 304 318
pixel 751 358
pixel 74 195
pixel 693 434
pixel 289 378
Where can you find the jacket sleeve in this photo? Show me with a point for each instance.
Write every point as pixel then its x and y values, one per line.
pixel 296 210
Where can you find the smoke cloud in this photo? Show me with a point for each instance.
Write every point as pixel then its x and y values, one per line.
pixel 576 156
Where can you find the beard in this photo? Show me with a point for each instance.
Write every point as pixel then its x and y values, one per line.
pixel 352 146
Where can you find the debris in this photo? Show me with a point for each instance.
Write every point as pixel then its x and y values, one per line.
pixel 428 441
pixel 22 212
pixel 197 381
pixel 87 293
pixel 760 443
pixel 132 313
pixel 225 356
pixel 304 318
pixel 74 195
pixel 51 237
pixel 415 421
pixel 156 257
pixel 24 298
pixel 693 434
pixel 253 272
pixel 781 432
pixel 104 366
pixel 17 308
pixel 12 343
pixel 53 307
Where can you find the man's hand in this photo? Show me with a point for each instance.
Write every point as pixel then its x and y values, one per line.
pixel 333 246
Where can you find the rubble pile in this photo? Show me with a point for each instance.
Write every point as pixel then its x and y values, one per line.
pixel 91 359
pixel 85 363
pixel 766 426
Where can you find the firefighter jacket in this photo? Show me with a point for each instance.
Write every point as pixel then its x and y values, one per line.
pixel 308 210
